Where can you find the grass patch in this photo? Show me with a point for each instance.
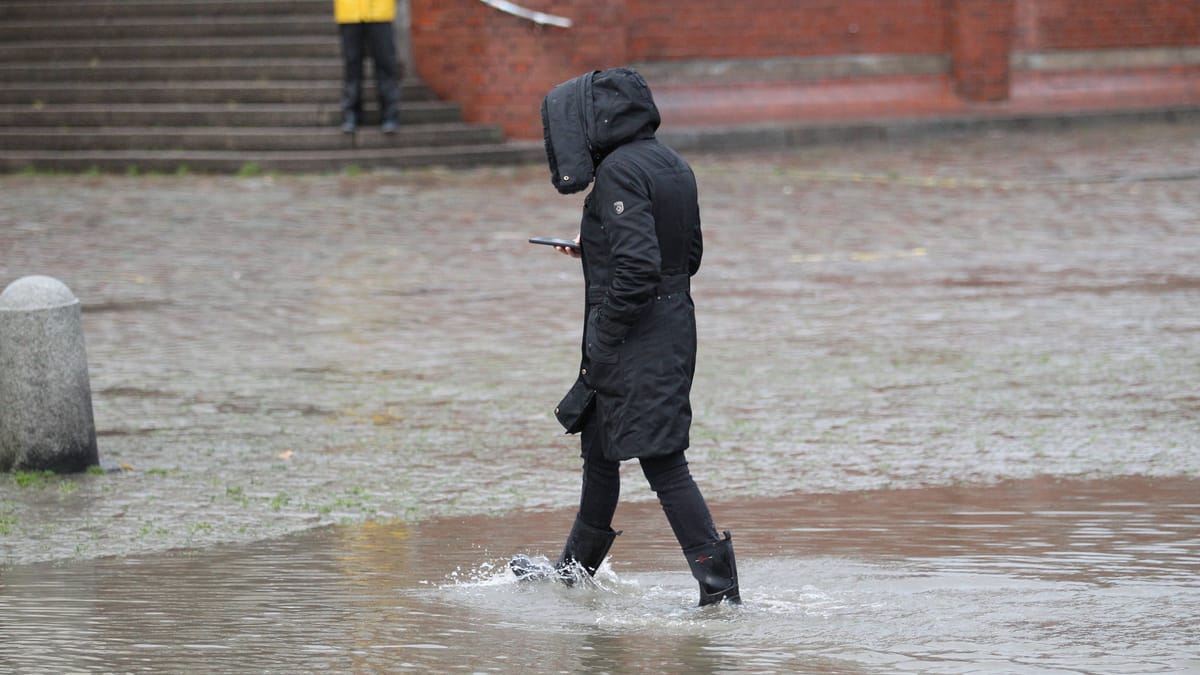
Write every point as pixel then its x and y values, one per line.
pixel 30 479
pixel 249 170
pixel 8 519
pixel 153 529
pixel 36 171
pixel 237 494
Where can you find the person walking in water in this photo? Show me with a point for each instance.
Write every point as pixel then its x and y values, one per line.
pixel 640 244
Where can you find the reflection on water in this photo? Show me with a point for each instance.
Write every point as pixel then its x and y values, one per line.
pixel 1031 576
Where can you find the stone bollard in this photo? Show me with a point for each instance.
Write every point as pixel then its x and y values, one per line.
pixel 45 399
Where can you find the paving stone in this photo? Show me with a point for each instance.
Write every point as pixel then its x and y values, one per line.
pixel 275 353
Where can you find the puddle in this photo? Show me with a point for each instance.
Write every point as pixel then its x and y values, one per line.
pixel 873 317
pixel 1036 575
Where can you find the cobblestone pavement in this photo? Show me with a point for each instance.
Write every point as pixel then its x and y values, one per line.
pixel 275 353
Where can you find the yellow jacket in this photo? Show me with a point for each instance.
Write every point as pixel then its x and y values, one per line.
pixel 364 11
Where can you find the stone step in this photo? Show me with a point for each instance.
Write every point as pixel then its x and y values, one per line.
pixel 228 162
pixel 237 115
pixel 244 139
pixel 315 25
pixel 206 85
pixel 151 92
pixel 102 9
pixel 181 48
pixel 268 70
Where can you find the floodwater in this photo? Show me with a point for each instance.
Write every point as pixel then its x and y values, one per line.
pixel 1039 576
pixel 945 401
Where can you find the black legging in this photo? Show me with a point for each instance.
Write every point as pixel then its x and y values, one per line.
pixel 668 476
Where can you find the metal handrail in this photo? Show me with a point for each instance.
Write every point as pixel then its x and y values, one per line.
pixel 540 18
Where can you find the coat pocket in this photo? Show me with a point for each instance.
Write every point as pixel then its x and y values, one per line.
pixel 572 411
pixel 603 350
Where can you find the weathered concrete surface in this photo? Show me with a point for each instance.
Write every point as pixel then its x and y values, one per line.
pixel 271 354
pixel 46 419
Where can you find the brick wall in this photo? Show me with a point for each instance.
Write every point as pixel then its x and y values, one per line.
pixel 775 28
pixel 1106 24
pixel 499 66
pixel 981 33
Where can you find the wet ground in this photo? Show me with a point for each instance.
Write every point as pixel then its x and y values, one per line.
pixel 1036 576
pixel 381 352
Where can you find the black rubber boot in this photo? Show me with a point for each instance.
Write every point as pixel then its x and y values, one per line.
pixel 714 567
pixel 586 548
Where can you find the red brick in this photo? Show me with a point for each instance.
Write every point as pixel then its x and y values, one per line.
pixel 498 66
pixel 1108 24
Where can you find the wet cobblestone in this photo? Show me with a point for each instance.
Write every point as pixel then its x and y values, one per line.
pixel 275 353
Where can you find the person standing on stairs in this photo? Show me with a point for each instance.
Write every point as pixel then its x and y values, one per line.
pixel 640 244
pixel 366 30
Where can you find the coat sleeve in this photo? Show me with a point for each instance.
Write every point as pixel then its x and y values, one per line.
pixel 627 218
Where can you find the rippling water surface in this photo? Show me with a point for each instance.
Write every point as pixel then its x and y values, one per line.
pixel 1030 576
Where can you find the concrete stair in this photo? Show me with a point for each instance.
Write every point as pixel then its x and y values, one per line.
pixel 205 85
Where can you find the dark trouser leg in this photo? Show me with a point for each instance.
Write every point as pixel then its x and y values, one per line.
pixel 601 488
pixel 709 557
pixel 382 44
pixel 591 534
pixel 353 37
pixel 680 498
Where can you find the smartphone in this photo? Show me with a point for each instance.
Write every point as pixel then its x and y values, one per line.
pixel 551 241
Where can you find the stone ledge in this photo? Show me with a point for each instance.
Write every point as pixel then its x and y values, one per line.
pixel 1102 59
pixel 777 136
pixel 725 71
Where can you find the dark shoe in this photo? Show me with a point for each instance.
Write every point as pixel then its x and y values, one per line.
pixel 349 123
pixel 585 549
pixel 714 567
pixel 526 568
pixel 388 126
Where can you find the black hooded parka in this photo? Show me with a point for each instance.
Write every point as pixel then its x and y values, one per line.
pixel 641 243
